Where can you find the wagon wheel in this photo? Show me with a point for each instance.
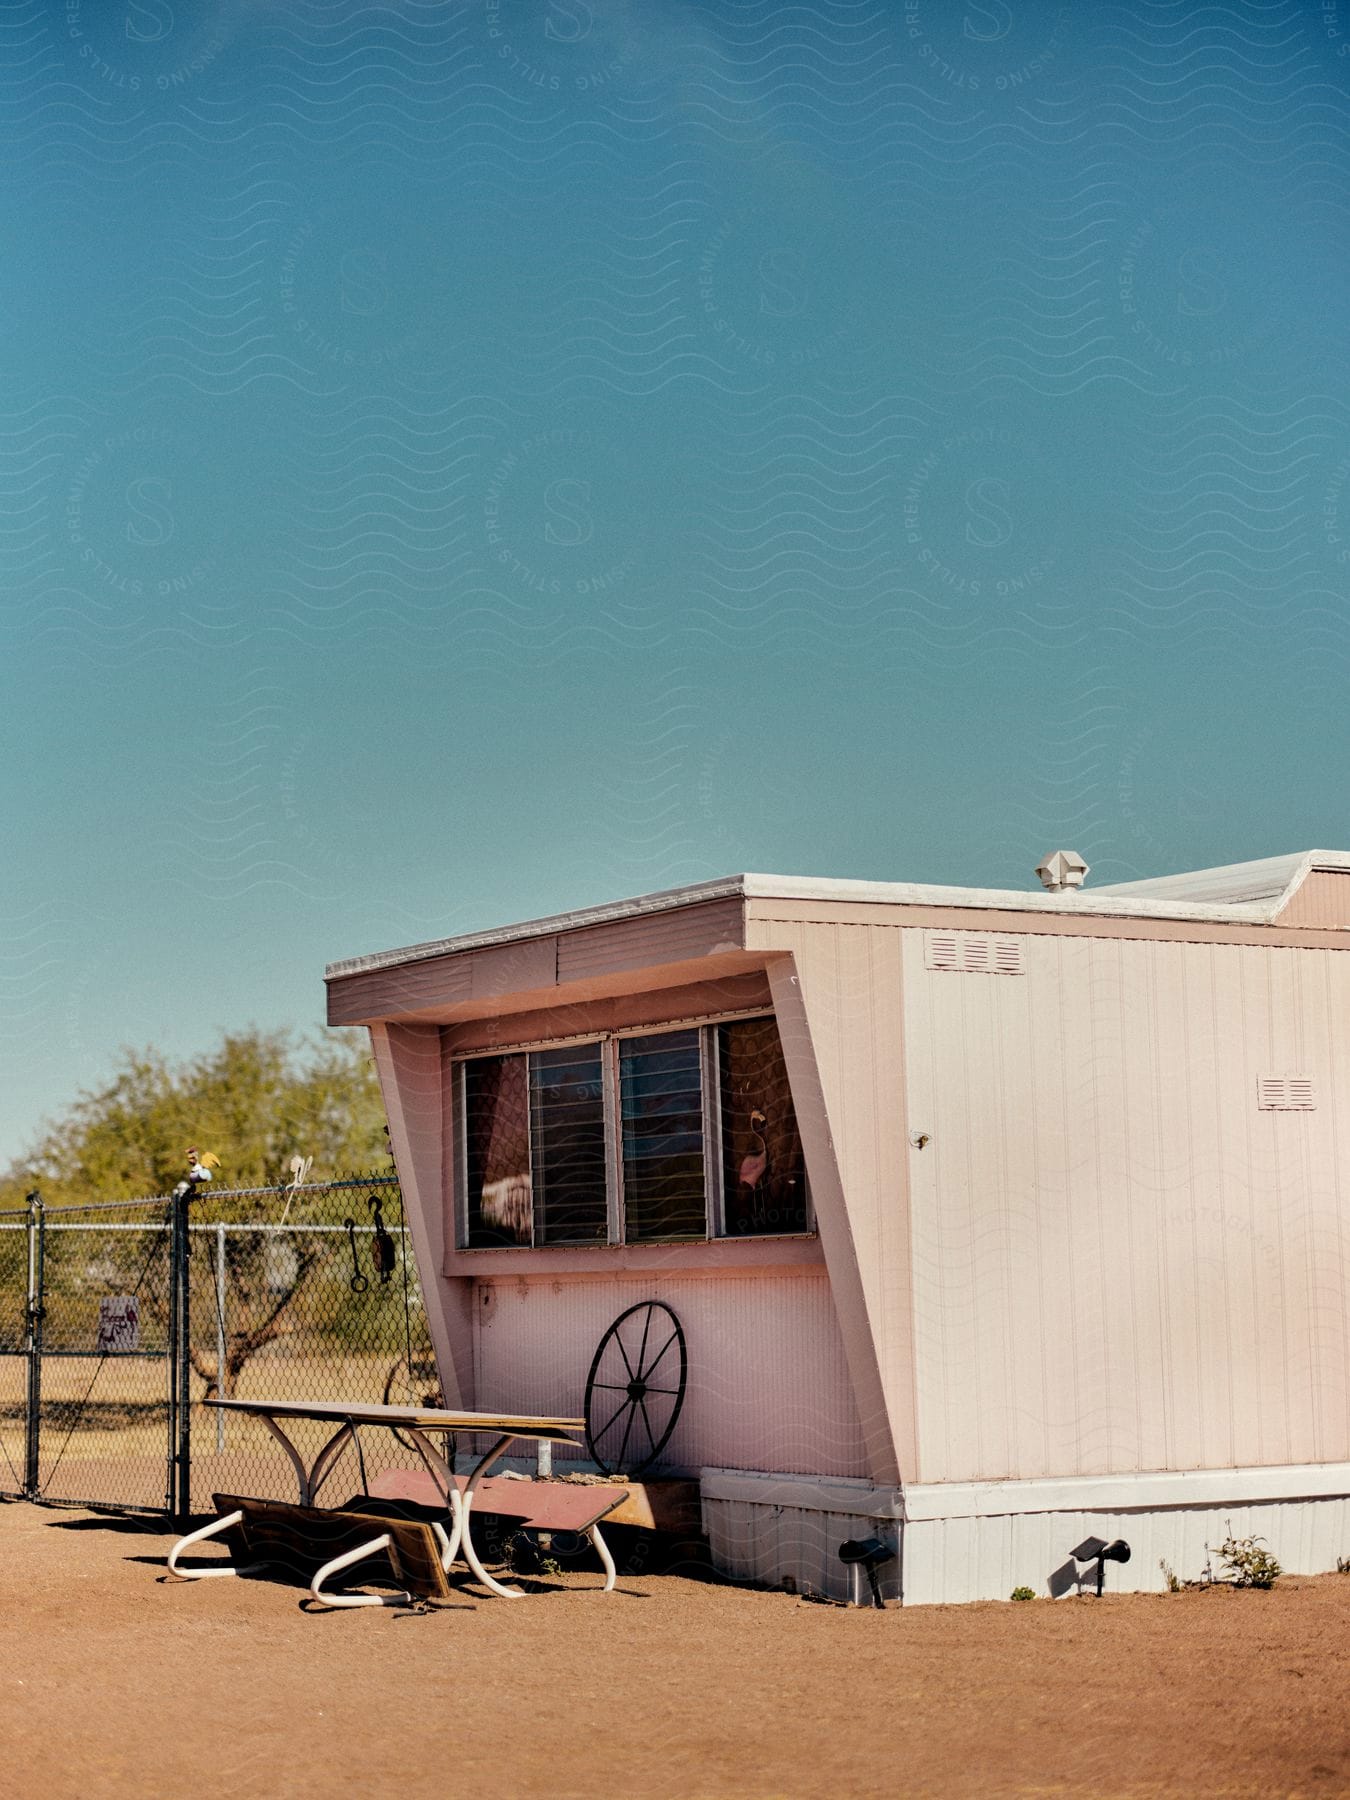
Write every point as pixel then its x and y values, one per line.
pixel 635 1389
pixel 415 1383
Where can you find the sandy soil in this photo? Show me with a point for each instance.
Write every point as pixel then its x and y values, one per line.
pixel 117 1679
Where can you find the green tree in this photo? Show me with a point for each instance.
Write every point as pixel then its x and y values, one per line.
pixel 258 1099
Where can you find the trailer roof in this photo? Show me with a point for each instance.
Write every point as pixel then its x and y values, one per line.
pixel 1238 893
pixel 1272 878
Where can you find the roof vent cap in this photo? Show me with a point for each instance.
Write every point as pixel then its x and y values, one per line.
pixel 1062 869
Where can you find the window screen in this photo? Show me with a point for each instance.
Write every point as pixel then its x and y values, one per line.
pixel 763 1169
pixel 661 1109
pixel 567 1139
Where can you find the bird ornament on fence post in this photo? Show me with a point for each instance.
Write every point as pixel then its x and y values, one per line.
pixel 200 1165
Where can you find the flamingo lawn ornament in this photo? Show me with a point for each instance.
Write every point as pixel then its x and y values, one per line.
pixel 755 1166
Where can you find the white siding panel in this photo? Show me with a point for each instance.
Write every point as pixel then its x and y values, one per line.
pixel 956 1560
pixel 1120 1261
pixel 778 1545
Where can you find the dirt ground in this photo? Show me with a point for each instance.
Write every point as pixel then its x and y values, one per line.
pixel 118 1679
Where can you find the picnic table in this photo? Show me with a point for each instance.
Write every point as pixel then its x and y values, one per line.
pixel 414 1422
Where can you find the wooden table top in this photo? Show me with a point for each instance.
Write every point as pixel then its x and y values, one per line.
pixel 422 1418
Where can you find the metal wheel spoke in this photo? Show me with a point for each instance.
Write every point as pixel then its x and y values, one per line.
pixel 651 1435
pixel 624 1354
pixel 642 1353
pixel 632 1414
pixel 660 1353
pixel 622 1405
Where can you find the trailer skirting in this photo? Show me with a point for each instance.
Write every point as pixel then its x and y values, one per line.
pixel 980 1540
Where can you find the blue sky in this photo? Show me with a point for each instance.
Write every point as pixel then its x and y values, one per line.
pixel 462 461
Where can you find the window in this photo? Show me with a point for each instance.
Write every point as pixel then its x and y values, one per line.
pixel 643 1137
pixel 534 1148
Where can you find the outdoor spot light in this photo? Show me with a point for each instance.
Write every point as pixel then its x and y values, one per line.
pixel 1097 1550
pixel 868 1554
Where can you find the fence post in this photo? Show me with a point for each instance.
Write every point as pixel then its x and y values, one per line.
pixel 220 1333
pixel 32 1480
pixel 171 1448
pixel 181 1369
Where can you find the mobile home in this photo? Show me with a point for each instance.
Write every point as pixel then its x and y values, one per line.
pixel 994 1220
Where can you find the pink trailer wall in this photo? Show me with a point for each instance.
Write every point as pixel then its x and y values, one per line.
pixel 768 1382
pixel 1121 1262
pixel 770 1385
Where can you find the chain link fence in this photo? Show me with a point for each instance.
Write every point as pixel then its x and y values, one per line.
pixel 118 1321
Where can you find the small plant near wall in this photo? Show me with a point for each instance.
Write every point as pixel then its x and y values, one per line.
pixel 1023 1593
pixel 1246 1563
pixel 524 1556
pixel 1174 1582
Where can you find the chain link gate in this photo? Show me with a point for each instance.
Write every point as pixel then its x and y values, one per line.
pixel 118 1320
pixel 321 1306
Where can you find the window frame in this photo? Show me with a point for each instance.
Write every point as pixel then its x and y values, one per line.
pixel 714 1197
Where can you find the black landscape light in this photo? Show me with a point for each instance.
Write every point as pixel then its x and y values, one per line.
pixel 1097 1550
pixel 868 1554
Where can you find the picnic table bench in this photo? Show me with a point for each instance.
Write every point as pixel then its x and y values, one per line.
pixel 266 1534
pixel 402 1519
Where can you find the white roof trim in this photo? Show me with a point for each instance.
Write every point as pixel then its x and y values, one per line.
pixel 1273 878
pixel 1250 897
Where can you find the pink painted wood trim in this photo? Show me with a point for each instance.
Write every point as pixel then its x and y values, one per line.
pixel 408 1063
pixel 657 950
pixel 762 915
pixel 710 1256
pixel 656 1006
pixel 446 1009
pixel 792 1011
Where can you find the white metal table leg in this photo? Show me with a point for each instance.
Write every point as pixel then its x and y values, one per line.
pixel 297 1462
pixel 440 1469
pixel 465 1507
pixel 602 1551
pixel 460 1503
pixel 312 1479
pixel 345 1561
pixel 449 1546
pixel 326 1460
pixel 200 1536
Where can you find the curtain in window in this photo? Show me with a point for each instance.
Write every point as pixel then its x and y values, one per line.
pixel 497 1144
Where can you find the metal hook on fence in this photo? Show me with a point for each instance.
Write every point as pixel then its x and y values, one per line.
pixel 358 1283
pixel 385 1254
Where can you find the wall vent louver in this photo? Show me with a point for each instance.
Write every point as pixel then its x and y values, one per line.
pixel 1285 1093
pixel 969 953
